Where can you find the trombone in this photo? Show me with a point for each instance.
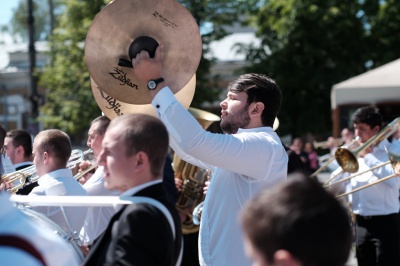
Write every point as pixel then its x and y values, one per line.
pixel 348 159
pixel 332 158
pixel 394 159
pixel 28 175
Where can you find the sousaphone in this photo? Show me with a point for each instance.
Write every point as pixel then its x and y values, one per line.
pixel 125 27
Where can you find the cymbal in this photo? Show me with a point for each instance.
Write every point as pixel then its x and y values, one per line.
pixel 112 107
pixel 115 36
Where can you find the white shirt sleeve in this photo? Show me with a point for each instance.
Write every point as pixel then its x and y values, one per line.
pixel 230 152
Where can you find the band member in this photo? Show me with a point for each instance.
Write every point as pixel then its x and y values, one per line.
pixel 247 158
pixel 97 218
pixel 296 223
pixel 18 147
pixel 133 153
pixel 51 152
pixel 6 166
pixel 376 207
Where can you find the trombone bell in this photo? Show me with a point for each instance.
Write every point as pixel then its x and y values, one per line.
pixel 347 160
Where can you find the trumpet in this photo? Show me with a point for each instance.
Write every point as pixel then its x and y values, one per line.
pixel 84 172
pixel 28 175
pixel 324 144
pixel 394 160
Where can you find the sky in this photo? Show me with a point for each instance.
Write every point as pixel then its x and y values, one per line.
pixel 6 7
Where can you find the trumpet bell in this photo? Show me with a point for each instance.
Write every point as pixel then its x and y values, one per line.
pixel 347 160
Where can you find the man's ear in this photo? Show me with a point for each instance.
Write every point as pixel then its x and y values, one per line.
pixel 285 258
pixel 141 159
pixel 19 149
pixel 256 108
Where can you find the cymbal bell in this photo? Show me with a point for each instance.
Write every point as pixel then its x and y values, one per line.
pixel 112 107
pixel 116 35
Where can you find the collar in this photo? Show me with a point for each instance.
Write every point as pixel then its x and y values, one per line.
pixel 22 164
pixel 255 129
pixel 134 190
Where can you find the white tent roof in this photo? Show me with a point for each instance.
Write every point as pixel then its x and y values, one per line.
pixel 379 85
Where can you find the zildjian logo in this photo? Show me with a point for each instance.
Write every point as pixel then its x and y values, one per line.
pixel 120 75
pixel 113 103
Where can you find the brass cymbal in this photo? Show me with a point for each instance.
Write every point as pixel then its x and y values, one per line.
pixel 116 35
pixel 112 107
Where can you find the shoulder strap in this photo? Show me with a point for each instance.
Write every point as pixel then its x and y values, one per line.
pixel 166 213
pixel 20 243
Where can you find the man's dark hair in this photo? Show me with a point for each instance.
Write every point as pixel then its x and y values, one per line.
pixel 368 115
pixel 299 216
pixel 260 88
pixel 103 122
pixel 22 138
pixel 2 135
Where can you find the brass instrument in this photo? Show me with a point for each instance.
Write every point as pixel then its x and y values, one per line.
pixel 28 175
pixel 394 159
pixel 348 159
pixel 84 172
pixel 193 177
pixel 324 144
pixel 333 158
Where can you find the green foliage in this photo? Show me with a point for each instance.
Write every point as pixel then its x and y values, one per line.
pixel 310 45
pixel 70 105
pixel 19 21
pixel 212 16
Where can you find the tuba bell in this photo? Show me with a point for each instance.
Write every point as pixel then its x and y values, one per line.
pixel 193 178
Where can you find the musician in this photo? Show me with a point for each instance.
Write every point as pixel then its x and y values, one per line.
pixel 51 152
pixel 376 207
pixel 248 157
pixel 134 150
pixel 97 218
pixel 6 166
pixel 18 147
pixel 296 223
pixel 51 247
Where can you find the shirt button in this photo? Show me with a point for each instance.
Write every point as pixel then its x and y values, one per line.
pixel 158 106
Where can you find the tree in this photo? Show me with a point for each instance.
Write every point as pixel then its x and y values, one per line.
pixel 18 27
pixel 212 17
pixel 69 102
pixel 308 46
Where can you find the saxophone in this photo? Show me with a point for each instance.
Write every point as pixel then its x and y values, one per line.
pixel 193 178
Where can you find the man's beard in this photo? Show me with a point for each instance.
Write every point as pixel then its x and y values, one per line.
pixel 232 123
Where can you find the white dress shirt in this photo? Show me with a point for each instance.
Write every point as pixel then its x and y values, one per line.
pixel 243 163
pixel 97 218
pixel 55 250
pixel 378 199
pixel 61 183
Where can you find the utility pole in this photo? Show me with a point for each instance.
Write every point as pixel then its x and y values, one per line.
pixel 34 97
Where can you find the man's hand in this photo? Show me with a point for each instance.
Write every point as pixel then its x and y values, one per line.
pixel 146 68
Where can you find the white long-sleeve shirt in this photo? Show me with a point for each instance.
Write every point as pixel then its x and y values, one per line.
pixel 97 218
pixel 378 199
pixel 243 163
pixel 61 183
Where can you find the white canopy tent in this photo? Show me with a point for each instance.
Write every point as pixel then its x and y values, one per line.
pixel 377 86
